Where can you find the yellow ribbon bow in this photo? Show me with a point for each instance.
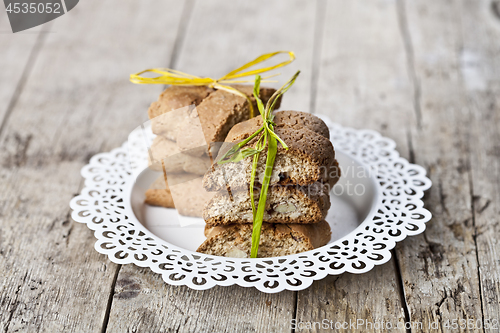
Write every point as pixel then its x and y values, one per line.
pixel 173 77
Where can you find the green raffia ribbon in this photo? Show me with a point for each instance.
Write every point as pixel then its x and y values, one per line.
pixel 267 138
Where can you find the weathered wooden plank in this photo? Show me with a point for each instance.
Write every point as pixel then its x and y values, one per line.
pixel 439 268
pixel 363 83
pixel 77 102
pixel 151 306
pixel 218 41
pixel 480 72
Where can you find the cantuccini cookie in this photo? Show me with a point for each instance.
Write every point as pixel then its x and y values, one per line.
pixel 174 160
pixel 221 110
pixel 174 98
pixel 235 240
pixel 284 204
pixel 178 143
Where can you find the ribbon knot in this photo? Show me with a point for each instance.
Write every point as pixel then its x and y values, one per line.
pixel 174 77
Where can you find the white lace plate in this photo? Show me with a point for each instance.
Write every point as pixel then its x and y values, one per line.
pixel 365 226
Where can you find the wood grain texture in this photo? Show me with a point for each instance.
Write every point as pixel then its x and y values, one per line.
pixel 480 72
pixel 363 83
pixel 439 268
pixel 18 53
pixel 52 278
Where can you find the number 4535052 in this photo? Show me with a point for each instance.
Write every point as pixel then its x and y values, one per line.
pixel 33 8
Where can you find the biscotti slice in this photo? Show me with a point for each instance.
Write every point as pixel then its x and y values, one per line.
pixel 217 113
pixel 284 204
pixel 309 159
pixel 187 191
pixel 174 98
pixel 163 149
pixel 235 240
pixel 190 197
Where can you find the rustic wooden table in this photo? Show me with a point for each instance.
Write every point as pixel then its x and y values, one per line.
pixel 425 73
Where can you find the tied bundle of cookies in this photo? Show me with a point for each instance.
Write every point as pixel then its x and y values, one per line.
pixel 187 120
pixel 270 185
pixel 190 120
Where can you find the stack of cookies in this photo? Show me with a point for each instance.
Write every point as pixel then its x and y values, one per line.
pixel 182 133
pixel 298 197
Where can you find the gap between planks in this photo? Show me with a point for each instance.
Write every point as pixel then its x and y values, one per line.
pixel 401 290
pixel 472 207
pixel 319 28
pixel 410 62
pixel 397 268
pixel 110 300
pixel 26 72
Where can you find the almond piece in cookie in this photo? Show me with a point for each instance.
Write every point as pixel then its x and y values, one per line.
pixel 284 204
